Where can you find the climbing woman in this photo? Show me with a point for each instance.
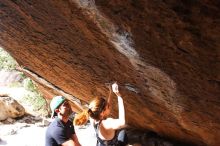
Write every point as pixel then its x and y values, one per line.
pixel 108 130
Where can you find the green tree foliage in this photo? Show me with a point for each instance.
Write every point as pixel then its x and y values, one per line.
pixel 29 85
pixel 32 96
pixel 6 61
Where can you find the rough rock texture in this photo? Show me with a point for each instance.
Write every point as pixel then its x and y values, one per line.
pixel 164 54
pixel 10 108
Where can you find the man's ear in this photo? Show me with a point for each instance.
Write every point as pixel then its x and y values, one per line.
pixel 56 110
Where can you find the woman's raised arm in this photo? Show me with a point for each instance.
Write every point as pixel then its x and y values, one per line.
pixel 120 122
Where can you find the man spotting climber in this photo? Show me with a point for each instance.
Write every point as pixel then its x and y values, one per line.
pixel 61 131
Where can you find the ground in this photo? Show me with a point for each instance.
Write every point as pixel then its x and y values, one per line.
pixel 33 133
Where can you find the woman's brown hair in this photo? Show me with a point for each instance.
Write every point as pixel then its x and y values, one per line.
pixel 96 106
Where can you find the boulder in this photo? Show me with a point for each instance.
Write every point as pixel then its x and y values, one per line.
pixel 10 108
pixel 9 77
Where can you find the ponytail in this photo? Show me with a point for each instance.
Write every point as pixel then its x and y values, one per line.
pixel 81 118
pixel 96 107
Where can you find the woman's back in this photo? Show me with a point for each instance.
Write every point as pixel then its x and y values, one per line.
pixel 105 136
pixel 104 129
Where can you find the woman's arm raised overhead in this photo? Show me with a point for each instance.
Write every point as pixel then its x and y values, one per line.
pixel 109 101
pixel 120 122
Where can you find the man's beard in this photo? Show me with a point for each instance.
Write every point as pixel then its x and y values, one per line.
pixel 66 113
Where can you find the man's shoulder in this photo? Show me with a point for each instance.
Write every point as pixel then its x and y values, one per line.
pixel 54 125
pixel 53 122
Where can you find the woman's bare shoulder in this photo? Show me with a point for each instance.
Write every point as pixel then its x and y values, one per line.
pixel 107 123
pixel 111 123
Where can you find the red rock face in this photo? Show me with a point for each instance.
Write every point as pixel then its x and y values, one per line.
pixel 164 55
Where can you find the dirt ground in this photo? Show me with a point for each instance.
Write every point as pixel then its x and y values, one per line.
pixel 33 134
pixel 30 131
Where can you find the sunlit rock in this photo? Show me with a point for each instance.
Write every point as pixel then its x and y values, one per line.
pixel 10 108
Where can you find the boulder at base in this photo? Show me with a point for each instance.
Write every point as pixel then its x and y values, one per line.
pixel 10 108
